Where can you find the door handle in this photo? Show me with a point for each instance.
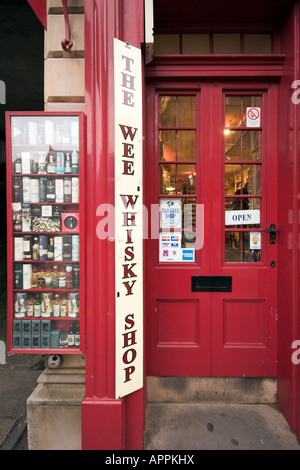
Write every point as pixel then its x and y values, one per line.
pixel 272 230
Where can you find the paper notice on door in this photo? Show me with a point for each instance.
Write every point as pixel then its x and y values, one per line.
pixel 170 213
pixel 170 248
pixel 253 117
pixel 255 241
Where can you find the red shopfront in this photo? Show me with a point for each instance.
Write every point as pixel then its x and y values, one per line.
pixel 221 145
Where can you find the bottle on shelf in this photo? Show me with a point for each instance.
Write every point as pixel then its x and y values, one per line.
pixel 62 277
pixel 27 247
pixel 35 249
pixel 30 306
pixel 50 251
pixel 69 276
pixel 75 162
pixel 18 165
pixel 55 277
pixel 50 164
pixel 77 336
pixel 56 306
pixel 37 306
pixel 35 277
pixel 71 336
pixel 41 277
pixel 64 306
pixel 68 163
pixel 48 277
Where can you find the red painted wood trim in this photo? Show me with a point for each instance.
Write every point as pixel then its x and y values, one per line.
pixel 40 9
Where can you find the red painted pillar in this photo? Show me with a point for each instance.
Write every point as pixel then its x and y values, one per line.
pixel 107 423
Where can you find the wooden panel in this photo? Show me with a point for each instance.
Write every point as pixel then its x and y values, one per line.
pixel 177 322
pixel 244 323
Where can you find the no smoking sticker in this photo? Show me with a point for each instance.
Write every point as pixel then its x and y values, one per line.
pixel 253 117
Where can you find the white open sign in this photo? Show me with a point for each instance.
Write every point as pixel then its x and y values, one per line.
pixel 242 217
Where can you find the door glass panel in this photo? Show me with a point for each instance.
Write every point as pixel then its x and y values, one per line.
pixel 186 111
pixel 251 145
pixel 251 179
pixel 177 147
pixel 168 179
pixel 233 111
pixel 233 179
pixel 250 102
pixel 186 145
pixel 237 248
pixel 232 145
pixel 186 179
pixel 167 111
pixel 242 182
pixel 168 145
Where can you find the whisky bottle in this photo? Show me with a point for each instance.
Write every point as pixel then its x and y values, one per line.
pixel 68 164
pixel 71 336
pixel 48 277
pixel 27 248
pixel 50 251
pixel 62 278
pixel 34 277
pixel 64 306
pixel 55 277
pixel 56 305
pixel 30 306
pixel 35 249
pixel 37 306
pixel 77 336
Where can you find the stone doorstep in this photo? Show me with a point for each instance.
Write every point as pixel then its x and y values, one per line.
pixel 62 376
pixel 211 390
pixel 56 395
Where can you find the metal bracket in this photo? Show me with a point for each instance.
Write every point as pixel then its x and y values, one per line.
pixel 66 43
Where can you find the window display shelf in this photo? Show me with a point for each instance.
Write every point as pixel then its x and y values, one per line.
pixel 45 232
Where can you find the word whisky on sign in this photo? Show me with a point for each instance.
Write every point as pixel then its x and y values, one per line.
pixel 128 219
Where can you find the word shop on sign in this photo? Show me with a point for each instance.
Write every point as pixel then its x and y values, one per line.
pixel 128 219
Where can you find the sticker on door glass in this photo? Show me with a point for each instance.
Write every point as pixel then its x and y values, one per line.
pixel 255 241
pixel 251 217
pixel 170 248
pixel 253 117
pixel 170 213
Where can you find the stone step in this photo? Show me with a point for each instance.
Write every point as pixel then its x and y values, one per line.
pixel 248 390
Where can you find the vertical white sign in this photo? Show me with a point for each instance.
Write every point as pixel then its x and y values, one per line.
pixel 128 219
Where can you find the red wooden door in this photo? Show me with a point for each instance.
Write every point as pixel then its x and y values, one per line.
pixel 211 162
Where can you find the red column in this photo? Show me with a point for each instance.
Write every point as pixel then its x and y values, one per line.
pixel 103 417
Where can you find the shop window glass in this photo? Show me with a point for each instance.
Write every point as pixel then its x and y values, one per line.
pixel 226 44
pixel 166 44
pixel 195 43
pixel 257 44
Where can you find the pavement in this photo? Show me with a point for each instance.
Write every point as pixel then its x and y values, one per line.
pixel 196 426
pixel 18 379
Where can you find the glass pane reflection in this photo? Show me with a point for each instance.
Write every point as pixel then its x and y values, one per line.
pixel 186 179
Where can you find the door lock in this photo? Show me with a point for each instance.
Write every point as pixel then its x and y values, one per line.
pixel 272 231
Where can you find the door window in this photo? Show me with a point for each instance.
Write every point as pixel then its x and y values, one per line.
pixel 243 167
pixel 177 164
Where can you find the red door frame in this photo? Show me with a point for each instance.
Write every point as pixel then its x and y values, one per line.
pixel 107 423
pixel 179 357
pixel 99 327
